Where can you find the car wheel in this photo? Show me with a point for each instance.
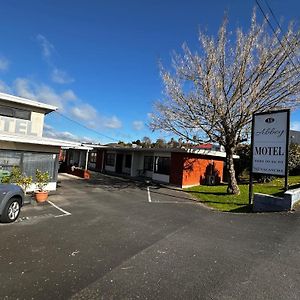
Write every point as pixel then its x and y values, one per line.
pixel 11 210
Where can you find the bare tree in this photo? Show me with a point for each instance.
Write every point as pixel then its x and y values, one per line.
pixel 146 142
pixel 211 94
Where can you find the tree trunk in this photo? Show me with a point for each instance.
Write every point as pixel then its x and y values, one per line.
pixel 232 187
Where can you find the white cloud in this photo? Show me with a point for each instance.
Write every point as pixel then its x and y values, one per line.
pixel 70 95
pixel 41 92
pixel 47 47
pixel 23 88
pixel 61 76
pixel 4 88
pixel 67 103
pixel 50 132
pixel 86 139
pixel 48 127
pixel 87 113
pixel 149 115
pixel 138 125
pixel 57 75
pixel 295 125
pixel 112 122
pixel 84 112
pixel 4 63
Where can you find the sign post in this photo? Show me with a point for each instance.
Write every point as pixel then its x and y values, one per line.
pixel 270 145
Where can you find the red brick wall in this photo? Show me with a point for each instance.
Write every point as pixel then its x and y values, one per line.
pixel 191 169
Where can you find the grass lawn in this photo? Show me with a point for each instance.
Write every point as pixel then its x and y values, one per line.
pixel 216 196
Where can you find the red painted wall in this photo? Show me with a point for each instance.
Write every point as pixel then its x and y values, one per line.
pixel 176 168
pixel 192 169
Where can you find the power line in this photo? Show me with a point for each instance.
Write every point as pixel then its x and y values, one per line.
pixel 84 126
pixel 274 31
pixel 279 26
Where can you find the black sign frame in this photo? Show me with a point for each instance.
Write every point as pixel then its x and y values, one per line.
pixel 286 150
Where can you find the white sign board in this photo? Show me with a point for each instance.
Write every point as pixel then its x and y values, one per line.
pixel 19 126
pixel 269 143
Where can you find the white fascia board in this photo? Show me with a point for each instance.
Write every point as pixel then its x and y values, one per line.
pixel 37 141
pixel 94 145
pixel 24 101
pixel 77 147
pixel 209 152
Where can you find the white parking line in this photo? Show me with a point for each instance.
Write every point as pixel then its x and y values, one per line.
pixel 166 201
pixel 149 196
pixel 65 213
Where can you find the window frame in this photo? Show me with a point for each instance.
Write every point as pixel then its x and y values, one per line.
pixel 15 113
pixel 162 165
pixel 48 160
pixel 148 166
pixel 93 157
pixel 110 159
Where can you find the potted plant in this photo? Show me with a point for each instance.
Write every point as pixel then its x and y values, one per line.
pixel 25 183
pixel 18 178
pixel 42 179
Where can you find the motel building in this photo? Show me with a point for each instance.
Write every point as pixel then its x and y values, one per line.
pixel 178 166
pixel 21 138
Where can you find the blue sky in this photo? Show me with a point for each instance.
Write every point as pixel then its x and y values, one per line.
pixel 98 60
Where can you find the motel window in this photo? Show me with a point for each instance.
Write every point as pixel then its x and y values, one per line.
pixel 15 113
pixel 110 159
pixel 93 157
pixel 9 159
pixel 43 161
pixel 128 161
pixel 162 165
pixel 29 162
pixel 148 163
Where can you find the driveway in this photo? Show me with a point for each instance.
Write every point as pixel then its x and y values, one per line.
pixel 109 238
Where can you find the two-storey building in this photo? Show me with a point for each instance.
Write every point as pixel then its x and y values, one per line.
pixel 21 138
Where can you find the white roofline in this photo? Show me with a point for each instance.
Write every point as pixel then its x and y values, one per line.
pixel 180 150
pixel 37 141
pixel 80 147
pixel 209 152
pixel 24 101
pixel 93 146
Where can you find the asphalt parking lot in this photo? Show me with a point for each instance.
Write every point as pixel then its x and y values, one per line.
pixel 110 238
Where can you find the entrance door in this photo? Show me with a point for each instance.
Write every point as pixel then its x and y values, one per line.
pixel 119 163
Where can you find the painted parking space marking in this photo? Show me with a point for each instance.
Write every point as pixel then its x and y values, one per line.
pixel 183 200
pixel 65 213
pixel 149 195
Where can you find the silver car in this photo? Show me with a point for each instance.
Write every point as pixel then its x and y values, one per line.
pixel 11 201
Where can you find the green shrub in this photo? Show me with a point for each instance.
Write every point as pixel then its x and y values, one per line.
pixel 42 179
pixel 16 177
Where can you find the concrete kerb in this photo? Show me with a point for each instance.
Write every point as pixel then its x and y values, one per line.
pixel 68 176
pixel 293 196
pixel 269 203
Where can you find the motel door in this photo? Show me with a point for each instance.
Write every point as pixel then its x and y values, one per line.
pixel 119 163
